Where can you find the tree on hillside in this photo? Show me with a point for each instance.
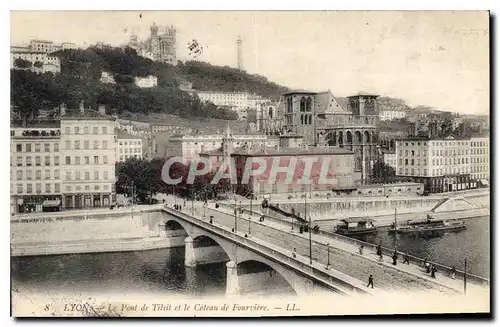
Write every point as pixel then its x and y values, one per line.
pixel 38 64
pixel 22 63
pixel 30 92
pixel 382 173
pixel 80 80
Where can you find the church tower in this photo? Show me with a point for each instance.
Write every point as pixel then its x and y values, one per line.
pixel 227 145
pixel 155 42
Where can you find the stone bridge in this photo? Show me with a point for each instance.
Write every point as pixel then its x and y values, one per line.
pixel 252 266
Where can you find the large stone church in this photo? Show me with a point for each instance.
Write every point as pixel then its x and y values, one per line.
pixel 160 46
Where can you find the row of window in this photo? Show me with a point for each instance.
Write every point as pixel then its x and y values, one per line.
pixel 37 147
pixel 412 162
pixel 77 175
pixel 305 119
pixel 86 130
pixel 85 161
pixel 449 170
pixel 134 150
pixel 69 188
pixel 413 153
pixel 478 160
pixel 138 142
pixel 38 188
pixel 38 174
pixel 449 161
pixel 445 143
pixel 38 161
pixel 476 169
pixel 479 151
pixel 479 143
pixel 125 157
pixel 86 145
pixel 450 152
pixel 481 176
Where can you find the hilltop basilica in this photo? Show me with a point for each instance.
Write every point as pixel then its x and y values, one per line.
pixel 160 46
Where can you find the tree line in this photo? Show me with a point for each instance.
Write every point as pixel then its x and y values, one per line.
pixel 146 179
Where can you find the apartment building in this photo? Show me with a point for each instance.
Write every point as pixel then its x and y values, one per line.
pixel 88 156
pixel 443 164
pixel 480 159
pixel 127 146
pixel 35 167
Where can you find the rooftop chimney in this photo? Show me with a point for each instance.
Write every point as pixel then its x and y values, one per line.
pixel 82 107
pixel 102 109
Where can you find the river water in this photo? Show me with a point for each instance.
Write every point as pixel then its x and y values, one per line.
pixel 163 270
pixel 448 248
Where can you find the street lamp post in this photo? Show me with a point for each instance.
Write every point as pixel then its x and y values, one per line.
pixel 310 237
pixel 192 203
pixel 328 255
pixel 235 215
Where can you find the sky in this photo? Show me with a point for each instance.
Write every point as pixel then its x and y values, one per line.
pixel 440 59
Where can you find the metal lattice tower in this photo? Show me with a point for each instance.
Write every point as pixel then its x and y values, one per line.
pixel 239 46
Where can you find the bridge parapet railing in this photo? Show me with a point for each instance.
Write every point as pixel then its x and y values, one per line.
pixel 385 250
pixel 273 254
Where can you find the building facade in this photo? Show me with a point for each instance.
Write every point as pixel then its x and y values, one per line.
pixel 333 164
pixel 390 158
pixel 190 146
pixel 88 156
pixel 480 159
pixel 392 114
pixel 240 102
pixel 146 82
pixel 443 165
pixel 48 62
pixel 323 121
pixel 269 119
pixel 127 146
pixel 35 168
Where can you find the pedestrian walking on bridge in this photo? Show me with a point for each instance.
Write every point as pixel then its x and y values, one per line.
pixel 361 249
pixel 395 258
pixel 453 272
pixel 406 259
pixel 433 271
pixel 370 281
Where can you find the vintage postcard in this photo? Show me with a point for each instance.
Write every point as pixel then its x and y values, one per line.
pixel 249 163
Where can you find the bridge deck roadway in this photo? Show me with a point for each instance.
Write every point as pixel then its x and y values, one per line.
pixel 343 257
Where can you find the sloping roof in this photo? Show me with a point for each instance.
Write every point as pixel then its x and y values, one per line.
pixel 293 151
pixel 327 103
pixel 89 114
pixel 124 135
pixel 366 94
pixel 299 91
pixel 216 152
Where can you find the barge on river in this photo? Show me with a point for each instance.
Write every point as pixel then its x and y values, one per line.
pixel 428 225
pixel 356 226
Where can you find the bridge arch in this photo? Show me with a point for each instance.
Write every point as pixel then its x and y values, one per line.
pixel 208 250
pixel 257 276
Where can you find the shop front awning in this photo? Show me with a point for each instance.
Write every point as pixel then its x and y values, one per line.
pixel 485 182
pixel 51 203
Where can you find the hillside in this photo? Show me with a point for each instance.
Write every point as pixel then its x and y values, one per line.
pixel 80 80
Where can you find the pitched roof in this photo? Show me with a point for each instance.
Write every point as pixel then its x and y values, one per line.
pixel 299 91
pixel 87 114
pixel 366 94
pixel 327 103
pixel 124 135
pixel 293 151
